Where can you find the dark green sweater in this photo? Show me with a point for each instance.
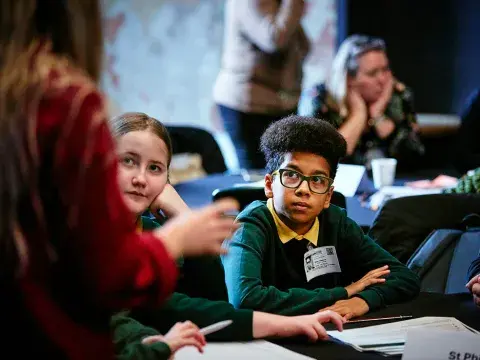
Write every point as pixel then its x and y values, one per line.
pixel 264 274
pixel 129 328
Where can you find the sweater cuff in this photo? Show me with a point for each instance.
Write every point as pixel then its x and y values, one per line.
pixel 339 293
pixel 372 298
pixel 162 349
pixel 241 328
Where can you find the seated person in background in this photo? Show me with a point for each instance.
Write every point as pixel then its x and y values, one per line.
pixel 144 151
pixel 369 107
pixel 474 284
pixel 266 269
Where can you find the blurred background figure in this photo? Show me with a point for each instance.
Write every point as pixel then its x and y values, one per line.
pixel 70 253
pixel 370 108
pixel 261 74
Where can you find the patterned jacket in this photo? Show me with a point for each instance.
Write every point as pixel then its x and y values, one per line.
pixel 403 144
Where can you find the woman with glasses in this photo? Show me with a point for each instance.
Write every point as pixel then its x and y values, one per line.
pixel 369 107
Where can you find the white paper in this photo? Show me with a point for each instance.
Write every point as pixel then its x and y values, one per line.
pixel 259 349
pixel 390 338
pixel 257 184
pixel 393 192
pixel 438 344
pixel 348 179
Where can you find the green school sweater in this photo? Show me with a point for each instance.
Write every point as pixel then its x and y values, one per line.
pixel 130 327
pixel 263 274
pixel 128 334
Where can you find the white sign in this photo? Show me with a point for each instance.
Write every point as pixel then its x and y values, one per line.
pixel 441 345
pixel 348 179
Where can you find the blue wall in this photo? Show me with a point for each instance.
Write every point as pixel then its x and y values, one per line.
pixel 434 47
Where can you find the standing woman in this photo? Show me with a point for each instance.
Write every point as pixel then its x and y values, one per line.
pixel 369 107
pixel 261 74
pixel 69 252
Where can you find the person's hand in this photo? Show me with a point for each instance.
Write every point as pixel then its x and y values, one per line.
pixel 309 325
pixel 350 308
pixel 180 335
pixel 474 286
pixel 384 128
pixel 356 105
pixel 373 277
pixel 199 232
pixel 441 181
pixel 169 202
pixel 378 107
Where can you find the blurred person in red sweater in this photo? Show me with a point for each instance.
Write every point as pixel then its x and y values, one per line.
pixel 70 254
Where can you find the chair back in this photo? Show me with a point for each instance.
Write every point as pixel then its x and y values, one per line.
pixel 442 260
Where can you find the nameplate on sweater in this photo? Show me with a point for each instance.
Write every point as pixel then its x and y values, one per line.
pixel 320 261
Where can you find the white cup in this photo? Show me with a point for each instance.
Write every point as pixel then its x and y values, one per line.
pixel 383 172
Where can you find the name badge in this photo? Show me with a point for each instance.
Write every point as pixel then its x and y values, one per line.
pixel 441 344
pixel 320 261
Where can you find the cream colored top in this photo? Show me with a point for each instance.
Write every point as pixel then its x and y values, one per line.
pixel 263 54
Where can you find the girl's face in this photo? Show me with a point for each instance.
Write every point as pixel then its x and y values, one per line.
pixel 142 170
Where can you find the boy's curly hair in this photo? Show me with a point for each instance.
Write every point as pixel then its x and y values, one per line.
pixel 302 134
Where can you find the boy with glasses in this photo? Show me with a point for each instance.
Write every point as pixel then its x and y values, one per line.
pixel 297 253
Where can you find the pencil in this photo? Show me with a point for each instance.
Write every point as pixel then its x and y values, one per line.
pixel 401 317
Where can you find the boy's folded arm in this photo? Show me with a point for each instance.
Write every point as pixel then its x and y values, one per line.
pixel 294 301
pixel 401 284
pixel 243 276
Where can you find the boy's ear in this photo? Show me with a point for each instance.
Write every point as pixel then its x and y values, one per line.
pixel 268 186
pixel 326 204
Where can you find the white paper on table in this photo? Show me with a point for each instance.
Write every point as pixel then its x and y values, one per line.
pixel 258 349
pixel 393 192
pixel 390 338
pixel 441 344
pixel 348 179
pixel 256 184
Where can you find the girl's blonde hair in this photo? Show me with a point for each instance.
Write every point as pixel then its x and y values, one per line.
pixel 137 121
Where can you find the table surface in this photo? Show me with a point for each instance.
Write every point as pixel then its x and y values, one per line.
pixel 459 306
pixel 198 192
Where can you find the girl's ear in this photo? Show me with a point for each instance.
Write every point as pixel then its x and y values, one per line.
pixel 268 186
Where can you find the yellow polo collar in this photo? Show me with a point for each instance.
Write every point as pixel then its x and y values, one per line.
pixel 286 234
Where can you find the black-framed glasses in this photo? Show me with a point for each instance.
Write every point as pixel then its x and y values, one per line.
pixel 292 179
